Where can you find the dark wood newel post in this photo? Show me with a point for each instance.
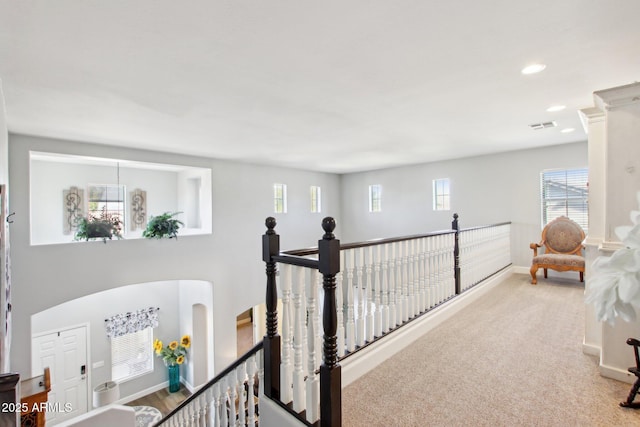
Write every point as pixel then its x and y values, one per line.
pixel 330 370
pixel 456 253
pixel 271 343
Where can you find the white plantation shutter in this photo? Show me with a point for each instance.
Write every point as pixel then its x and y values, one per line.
pixel 564 192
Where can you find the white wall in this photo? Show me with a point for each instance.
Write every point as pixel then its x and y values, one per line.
pixel 191 292
pixel 230 258
pixel 484 190
pixel 94 309
pixel 5 288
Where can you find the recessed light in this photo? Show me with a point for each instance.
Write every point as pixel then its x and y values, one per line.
pixel 567 130
pixel 533 68
pixel 555 108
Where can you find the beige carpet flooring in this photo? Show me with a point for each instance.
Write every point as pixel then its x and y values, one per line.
pixel 512 358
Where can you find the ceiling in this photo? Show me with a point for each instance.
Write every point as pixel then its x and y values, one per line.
pixel 335 86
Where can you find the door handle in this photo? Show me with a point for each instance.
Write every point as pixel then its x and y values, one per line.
pixel 83 369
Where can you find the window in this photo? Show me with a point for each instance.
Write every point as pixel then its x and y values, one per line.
pixel 131 355
pixel 106 200
pixel 564 193
pixel 375 198
pixel 280 198
pixel 441 195
pixel 316 199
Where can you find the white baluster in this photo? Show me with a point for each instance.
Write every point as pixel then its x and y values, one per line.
pixel 422 284
pixel 251 381
pixel 385 289
pixel 399 289
pixel 368 295
pixel 298 342
pixel 405 281
pixel 377 290
pixel 217 408
pixel 233 396
pixel 351 326
pixel 318 291
pixel 312 403
pixel 413 279
pixel 361 300
pixel 286 365
pixel 224 398
pixel 243 396
pixel 260 364
pixel 340 331
pixel 393 296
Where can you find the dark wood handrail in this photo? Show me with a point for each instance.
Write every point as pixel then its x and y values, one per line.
pixel 485 226
pixel 215 379
pixel 314 249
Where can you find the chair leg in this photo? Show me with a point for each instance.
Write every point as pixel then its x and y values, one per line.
pixel 545 273
pixel 534 269
pixel 629 403
pixel 582 276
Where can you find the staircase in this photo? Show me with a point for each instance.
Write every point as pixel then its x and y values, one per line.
pixel 379 286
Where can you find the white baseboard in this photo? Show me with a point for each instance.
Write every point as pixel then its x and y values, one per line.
pixel 520 269
pixel 142 393
pixel 617 374
pixel 590 349
pixel 363 361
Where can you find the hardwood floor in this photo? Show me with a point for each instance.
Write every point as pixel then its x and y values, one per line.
pixel 162 400
pixel 166 402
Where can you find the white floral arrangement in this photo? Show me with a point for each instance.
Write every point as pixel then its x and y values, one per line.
pixel 614 288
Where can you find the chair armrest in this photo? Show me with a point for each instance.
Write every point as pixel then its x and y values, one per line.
pixel 535 247
pixel 634 342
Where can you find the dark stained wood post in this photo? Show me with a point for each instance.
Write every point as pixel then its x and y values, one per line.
pixel 270 248
pixel 456 253
pixel 330 370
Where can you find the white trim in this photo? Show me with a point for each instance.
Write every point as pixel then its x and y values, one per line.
pixel 142 393
pixel 616 374
pixel 590 349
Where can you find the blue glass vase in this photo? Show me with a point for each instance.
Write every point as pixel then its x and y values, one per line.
pixel 174 378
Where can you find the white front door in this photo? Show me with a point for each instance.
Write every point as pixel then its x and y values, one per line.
pixel 65 353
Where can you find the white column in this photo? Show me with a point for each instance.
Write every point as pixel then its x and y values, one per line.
pixel 621 106
pixel 593 120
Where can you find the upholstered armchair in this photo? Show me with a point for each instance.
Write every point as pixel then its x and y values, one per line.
pixel 562 241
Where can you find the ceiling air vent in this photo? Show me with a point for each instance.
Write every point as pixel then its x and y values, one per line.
pixel 538 126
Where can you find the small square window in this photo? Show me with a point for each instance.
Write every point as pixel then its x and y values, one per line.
pixel 441 194
pixel 107 200
pixel 280 198
pixel 375 198
pixel 316 199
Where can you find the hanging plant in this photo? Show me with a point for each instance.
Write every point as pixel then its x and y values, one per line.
pixel 163 226
pixel 103 227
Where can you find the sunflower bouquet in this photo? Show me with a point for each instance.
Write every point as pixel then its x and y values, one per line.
pixel 175 352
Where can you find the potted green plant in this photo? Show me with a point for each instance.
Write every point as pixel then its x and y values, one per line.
pixel 103 227
pixel 162 226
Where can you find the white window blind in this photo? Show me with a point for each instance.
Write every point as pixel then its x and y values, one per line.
pixel 564 193
pixel 131 355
